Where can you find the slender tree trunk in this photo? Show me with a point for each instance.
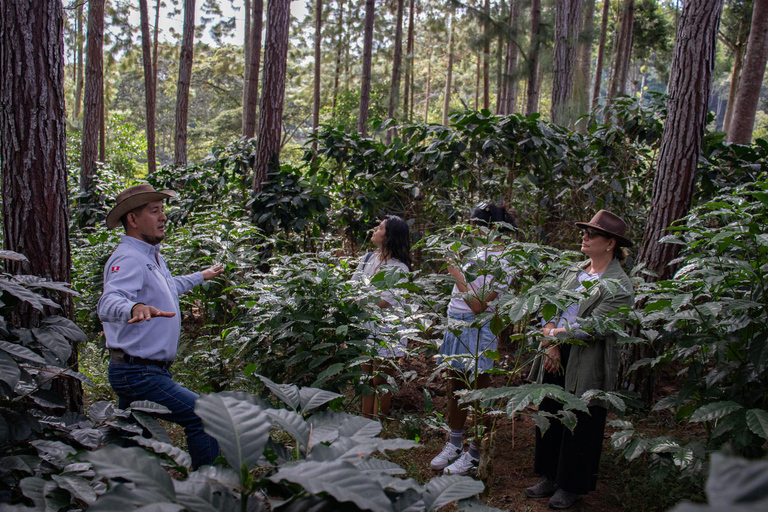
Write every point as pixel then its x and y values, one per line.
pixel 316 91
pixel 347 37
pixel 365 85
pixel 149 86
pixel 394 89
pixel 252 98
pixel 337 70
pixel 509 104
pixel 567 20
pixel 486 56
pixel 601 52
pixel 79 57
pixel 449 70
pixel 273 91
pixel 185 77
pixel 752 74
pixel 738 60
pixel 93 98
pixel 581 80
pixel 33 154
pixel 409 62
pixel 103 126
pixel 155 45
pixel 247 45
pixel 532 97
pixel 623 52
pixel 478 73
pixel 429 84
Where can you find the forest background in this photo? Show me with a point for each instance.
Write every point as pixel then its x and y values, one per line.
pixel 288 146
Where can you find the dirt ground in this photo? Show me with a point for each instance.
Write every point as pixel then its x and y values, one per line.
pixel 512 466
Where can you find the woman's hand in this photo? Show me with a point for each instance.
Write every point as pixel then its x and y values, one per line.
pixel 552 359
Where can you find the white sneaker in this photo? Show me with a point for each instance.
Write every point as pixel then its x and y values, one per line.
pixel 464 465
pixel 450 453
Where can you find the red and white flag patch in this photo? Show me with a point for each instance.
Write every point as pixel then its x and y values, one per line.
pixel 114 269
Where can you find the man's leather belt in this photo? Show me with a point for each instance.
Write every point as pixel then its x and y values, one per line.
pixel 118 356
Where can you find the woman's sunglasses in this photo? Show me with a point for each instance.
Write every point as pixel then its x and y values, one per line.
pixel 591 234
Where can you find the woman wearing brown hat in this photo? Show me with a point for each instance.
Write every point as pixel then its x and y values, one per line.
pixel 568 461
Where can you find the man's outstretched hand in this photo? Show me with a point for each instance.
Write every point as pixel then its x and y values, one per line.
pixel 214 271
pixel 143 312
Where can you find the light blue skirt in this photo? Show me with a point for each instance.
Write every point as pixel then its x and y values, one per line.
pixel 470 344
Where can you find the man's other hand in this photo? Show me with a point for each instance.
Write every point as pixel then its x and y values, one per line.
pixel 143 312
pixel 213 271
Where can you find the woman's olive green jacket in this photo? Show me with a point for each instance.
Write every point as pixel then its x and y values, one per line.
pixel 593 365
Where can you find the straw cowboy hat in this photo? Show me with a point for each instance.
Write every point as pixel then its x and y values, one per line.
pixel 133 197
pixel 611 224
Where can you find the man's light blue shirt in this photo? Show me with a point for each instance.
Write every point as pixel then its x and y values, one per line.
pixel 136 273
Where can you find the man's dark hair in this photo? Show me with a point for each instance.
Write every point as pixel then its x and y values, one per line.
pixel 487 214
pixel 397 240
pixel 137 211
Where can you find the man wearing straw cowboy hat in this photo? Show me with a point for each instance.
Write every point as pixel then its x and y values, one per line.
pixel 141 316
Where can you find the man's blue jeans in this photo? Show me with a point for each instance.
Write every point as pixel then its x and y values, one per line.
pixel 134 382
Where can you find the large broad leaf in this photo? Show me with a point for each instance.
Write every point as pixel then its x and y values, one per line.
pixel 475 505
pixel 312 398
pixel 124 498
pixel 65 327
pixel 12 255
pixel 308 504
pixel 133 464
pixel 291 422
pixel 47 399
pixel 757 421
pixel 54 342
pixel 714 411
pixel 447 489
pixel 102 410
pixel 179 456
pixel 325 425
pixel 241 428
pixel 19 352
pixel 150 407
pixel 380 466
pixel 78 486
pixel 35 300
pixel 53 449
pixel 9 370
pixel 340 479
pixel 735 481
pixel 33 487
pixel 357 426
pixel 155 427
pixel 88 437
pixel 287 393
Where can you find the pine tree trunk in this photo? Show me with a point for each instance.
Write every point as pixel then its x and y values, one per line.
pixel 568 16
pixel 365 84
pixel 409 62
pixel 429 85
pixel 33 154
pixel 532 96
pixel 93 97
pixel 752 73
pixel 622 53
pixel 394 89
pixel 581 79
pixel 316 90
pixel 510 68
pixel 149 86
pixel 449 70
pixel 738 60
pixel 185 77
pixel 273 91
pixel 486 56
pixel 337 70
pixel 246 65
pixel 156 35
pixel 478 65
pixel 601 52
pixel 79 57
pixel 252 96
pixel 687 106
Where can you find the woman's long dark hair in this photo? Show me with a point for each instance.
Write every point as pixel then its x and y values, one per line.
pixel 488 214
pixel 397 240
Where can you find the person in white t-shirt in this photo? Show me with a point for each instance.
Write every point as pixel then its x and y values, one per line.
pixel 393 249
pixel 466 352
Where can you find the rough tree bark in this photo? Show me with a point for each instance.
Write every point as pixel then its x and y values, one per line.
pixel 149 85
pixel 751 76
pixel 532 94
pixel 601 52
pixel 316 89
pixel 623 52
pixel 567 19
pixel 79 58
pixel 449 70
pixel 337 71
pixel 584 61
pixel 33 154
pixel 246 62
pixel 486 55
pixel 93 97
pixel 687 106
pixel 429 86
pixel 365 81
pixel 254 61
pixel 409 61
pixel 508 95
pixel 738 60
pixel 394 87
pixel 273 91
pixel 185 77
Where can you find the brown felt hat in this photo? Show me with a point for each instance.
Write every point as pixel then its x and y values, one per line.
pixel 611 224
pixel 133 197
